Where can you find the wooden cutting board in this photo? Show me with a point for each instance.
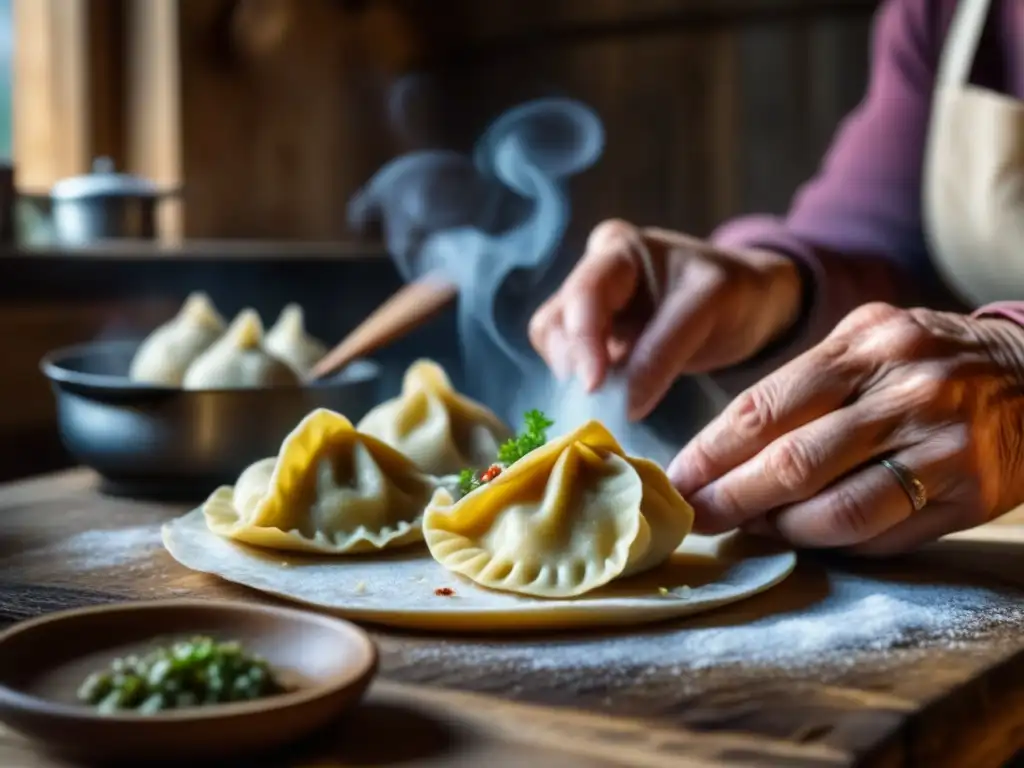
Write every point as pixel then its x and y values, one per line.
pixel 63 544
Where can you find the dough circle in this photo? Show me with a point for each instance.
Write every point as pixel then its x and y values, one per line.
pixel 398 589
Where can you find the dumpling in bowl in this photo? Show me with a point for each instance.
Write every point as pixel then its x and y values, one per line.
pixel 168 351
pixel 288 340
pixel 435 426
pixel 565 519
pixel 239 360
pixel 329 490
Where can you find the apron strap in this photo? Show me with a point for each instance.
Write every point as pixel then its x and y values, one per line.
pixel 965 31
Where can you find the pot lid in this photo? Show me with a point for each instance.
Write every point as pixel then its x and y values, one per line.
pixel 103 181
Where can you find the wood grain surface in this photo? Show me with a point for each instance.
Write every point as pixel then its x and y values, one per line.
pixel 64 544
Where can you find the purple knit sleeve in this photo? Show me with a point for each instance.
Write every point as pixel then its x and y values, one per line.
pixel 856 227
pixel 1008 310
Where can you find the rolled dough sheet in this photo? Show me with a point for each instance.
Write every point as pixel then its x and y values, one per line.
pixel 399 589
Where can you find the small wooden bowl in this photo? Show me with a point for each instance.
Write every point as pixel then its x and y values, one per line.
pixel 329 662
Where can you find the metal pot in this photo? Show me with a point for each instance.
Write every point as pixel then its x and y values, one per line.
pixel 167 442
pixel 103 205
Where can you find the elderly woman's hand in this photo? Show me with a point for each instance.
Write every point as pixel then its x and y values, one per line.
pixel 715 308
pixel 798 454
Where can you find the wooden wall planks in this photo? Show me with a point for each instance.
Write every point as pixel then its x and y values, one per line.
pixel 709 112
pixel 274 112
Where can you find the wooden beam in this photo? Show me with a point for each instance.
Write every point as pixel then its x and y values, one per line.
pixel 153 104
pixel 66 102
pixel 50 104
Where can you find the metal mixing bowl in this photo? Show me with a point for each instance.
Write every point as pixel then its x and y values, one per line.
pixel 169 442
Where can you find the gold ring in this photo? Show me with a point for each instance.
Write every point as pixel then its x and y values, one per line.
pixel 909 482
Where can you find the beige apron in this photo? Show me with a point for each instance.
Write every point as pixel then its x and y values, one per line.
pixel 973 196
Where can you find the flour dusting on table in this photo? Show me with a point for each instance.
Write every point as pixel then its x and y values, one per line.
pixel 859 615
pixel 97 549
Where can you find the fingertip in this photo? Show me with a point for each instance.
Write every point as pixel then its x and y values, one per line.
pixel 645 390
pixel 711 518
pixel 561 370
pixel 685 475
pixel 558 355
pixel 580 315
pixel 582 324
pixel 638 407
pixel 653 365
pixel 675 472
pixel 589 369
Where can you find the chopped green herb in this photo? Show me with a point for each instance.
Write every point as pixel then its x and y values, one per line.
pixel 533 435
pixel 187 674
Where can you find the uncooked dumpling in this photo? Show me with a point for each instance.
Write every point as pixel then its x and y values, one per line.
pixel 563 520
pixel 330 490
pixel 435 426
pixel 168 351
pixel 239 360
pixel 289 341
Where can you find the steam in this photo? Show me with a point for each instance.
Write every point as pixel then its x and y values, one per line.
pixel 493 224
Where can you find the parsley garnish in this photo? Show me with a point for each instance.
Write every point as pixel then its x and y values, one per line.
pixel 533 435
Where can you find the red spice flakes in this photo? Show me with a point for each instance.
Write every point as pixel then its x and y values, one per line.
pixel 490 473
pixel 444 591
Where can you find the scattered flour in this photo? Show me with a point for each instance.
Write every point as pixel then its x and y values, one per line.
pixel 858 615
pixel 119 547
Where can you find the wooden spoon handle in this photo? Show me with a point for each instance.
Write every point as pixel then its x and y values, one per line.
pixel 409 308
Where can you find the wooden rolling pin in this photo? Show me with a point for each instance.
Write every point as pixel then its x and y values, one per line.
pixel 408 309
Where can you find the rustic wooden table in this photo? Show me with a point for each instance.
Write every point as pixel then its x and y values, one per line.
pixel 63 544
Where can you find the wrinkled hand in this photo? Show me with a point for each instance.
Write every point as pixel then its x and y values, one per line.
pixel 716 308
pixel 797 454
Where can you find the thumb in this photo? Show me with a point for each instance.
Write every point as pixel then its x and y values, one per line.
pixel 677 332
